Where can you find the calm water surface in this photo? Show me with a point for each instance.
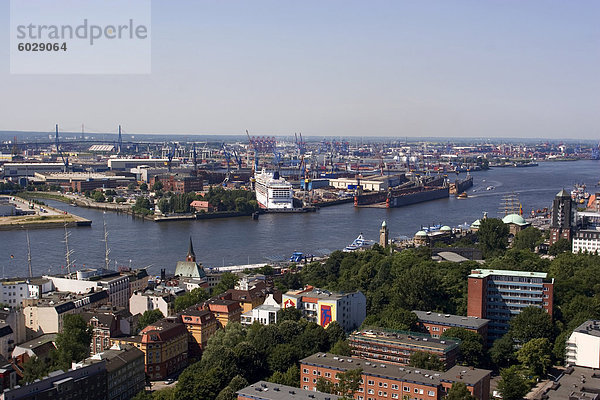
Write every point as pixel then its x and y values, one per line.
pixel 241 240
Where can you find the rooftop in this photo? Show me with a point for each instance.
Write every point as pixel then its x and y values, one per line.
pixel 589 327
pixel 578 383
pixel 453 320
pixel 467 375
pixel 483 273
pixel 317 293
pixel 412 339
pixel 273 391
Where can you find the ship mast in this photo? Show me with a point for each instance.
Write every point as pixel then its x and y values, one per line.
pixel 106 249
pixel 29 254
pixel 68 252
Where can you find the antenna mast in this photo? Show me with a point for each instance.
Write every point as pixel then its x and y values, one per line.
pixel 29 254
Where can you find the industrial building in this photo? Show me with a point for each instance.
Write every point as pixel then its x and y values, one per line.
pixel 499 295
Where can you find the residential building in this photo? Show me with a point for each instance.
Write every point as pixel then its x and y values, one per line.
pixel 587 237
pixel 45 315
pixel 498 295
pixel 575 383
pixel 583 346
pixel 201 325
pixel 165 347
pixel 39 347
pixel 38 286
pixel 125 376
pixel 264 314
pixel 436 324
pixel 263 390
pixel 384 382
pixel 85 280
pixel 107 322
pixel 8 377
pixel 14 291
pixel 7 340
pixel 138 280
pixel 225 311
pixel 87 382
pixel 157 299
pixel 248 299
pixel 396 347
pixel 16 320
pixel 324 307
pixel 563 217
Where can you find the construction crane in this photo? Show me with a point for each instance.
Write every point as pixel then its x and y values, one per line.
pixel 120 142
pixel 170 155
pixel 65 160
pixel 250 145
pixel 227 156
pixel 195 160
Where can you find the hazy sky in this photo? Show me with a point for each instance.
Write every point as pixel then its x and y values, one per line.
pixel 344 68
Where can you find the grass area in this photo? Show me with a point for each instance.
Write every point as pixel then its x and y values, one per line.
pixel 44 195
pixel 32 219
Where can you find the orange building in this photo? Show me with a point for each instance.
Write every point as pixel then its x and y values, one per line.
pixel 225 311
pixel 248 299
pixel 384 381
pixel 165 347
pixel 201 325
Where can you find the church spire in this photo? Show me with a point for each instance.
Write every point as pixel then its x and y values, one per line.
pixel 191 256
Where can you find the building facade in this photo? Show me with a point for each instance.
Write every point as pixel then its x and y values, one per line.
pixel 140 302
pixel 583 346
pixel 397 347
pixel 499 295
pixel 201 325
pixel 165 347
pixel 324 307
pixel 436 324
pixel 563 217
pixel 384 382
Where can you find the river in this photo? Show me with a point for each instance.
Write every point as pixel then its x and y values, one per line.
pixel 218 242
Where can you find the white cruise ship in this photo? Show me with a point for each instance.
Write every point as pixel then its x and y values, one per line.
pixel 273 192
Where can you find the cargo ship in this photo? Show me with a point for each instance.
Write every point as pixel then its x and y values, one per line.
pixel 460 186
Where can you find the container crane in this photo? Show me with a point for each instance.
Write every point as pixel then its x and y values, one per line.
pixel 65 160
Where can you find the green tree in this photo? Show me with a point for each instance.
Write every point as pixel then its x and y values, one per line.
pixel 425 360
pixel 335 333
pixel 531 323
pixel 560 246
pixel 158 185
pixel 98 196
pixel 148 318
pixel 459 391
pixel 34 368
pixel 502 352
pixel 144 187
pixel 164 394
pixel 471 346
pixel 291 377
pixel 228 281
pixel 535 355
pixel 341 348
pixel 493 236
pixel 131 186
pixel 347 384
pixel 512 384
pixel 163 206
pixel 142 395
pixel 73 343
pixel 191 298
pixel 289 314
pixel 527 239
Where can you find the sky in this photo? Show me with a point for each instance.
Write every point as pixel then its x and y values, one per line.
pixel 399 68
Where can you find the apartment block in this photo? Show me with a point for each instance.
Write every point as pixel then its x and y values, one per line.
pixel 436 323
pixel 396 348
pixel 499 295
pixel 323 307
pixel 583 346
pixel 162 300
pixel 165 347
pixel 201 325
pixel 225 311
pixel 273 391
pixel 383 381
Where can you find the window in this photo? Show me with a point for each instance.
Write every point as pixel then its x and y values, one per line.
pixel 305 379
pixel 314 372
pixel 371 391
pixel 394 387
pixel 395 396
pixel 416 390
pixel 370 383
pixel 305 370
pixel 430 393
pixel 327 375
pixel 406 389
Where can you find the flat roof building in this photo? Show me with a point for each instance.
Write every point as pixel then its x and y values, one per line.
pixel 436 323
pixel 583 346
pixel 396 347
pixel 273 391
pixel 499 295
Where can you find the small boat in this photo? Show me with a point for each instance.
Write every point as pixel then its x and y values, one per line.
pixel 462 195
pixel 490 188
pixel 359 243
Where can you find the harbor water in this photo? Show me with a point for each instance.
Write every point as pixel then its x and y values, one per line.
pixel 221 242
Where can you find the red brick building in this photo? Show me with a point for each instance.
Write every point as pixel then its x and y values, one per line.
pixel 498 295
pixel 177 184
pixel 436 323
pixel 396 347
pixel 384 381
